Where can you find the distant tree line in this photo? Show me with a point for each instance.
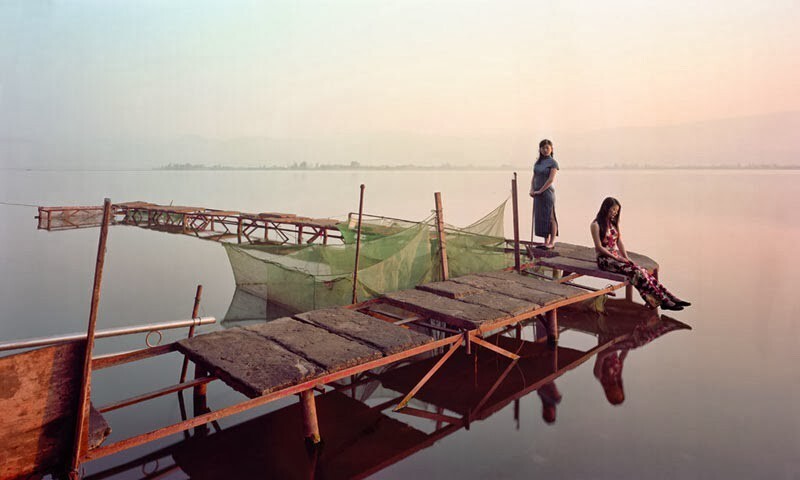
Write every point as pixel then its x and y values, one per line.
pixel 318 166
pixel 447 166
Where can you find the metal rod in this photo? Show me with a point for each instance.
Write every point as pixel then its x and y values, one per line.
pixel 453 347
pixel 81 423
pixel 415 412
pixel 516 222
pixel 495 386
pixel 358 244
pixel 109 360
pixel 440 230
pixel 155 394
pixel 527 315
pixel 109 332
pixel 195 311
pixel 483 343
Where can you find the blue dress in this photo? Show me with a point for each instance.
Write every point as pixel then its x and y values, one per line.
pixel 544 205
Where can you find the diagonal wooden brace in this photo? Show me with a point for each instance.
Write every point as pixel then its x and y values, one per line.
pixel 483 343
pixel 453 347
pixel 415 412
pixel 494 388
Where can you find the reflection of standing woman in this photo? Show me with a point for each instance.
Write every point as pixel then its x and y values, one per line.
pixel 544 195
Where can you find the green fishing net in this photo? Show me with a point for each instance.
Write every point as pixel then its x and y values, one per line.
pixel 394 255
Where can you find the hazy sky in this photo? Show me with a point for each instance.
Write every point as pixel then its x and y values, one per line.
pixel 228 69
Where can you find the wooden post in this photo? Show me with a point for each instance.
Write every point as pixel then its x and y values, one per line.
pixel 557 274
pixel 629 292
pixel 199 400
pixel 299 234
pixel 82 417
pixel 440 230
pixel 514 203
pixel 310 426
pixel 239 230
pixel 358 243
pixel 195 314
pixel 552 326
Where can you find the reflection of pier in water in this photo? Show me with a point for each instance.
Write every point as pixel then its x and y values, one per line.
pixel 363 436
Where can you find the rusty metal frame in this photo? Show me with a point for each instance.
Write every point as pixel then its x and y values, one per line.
pixel 203 419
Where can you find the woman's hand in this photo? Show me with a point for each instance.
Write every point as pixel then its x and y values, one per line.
pixel 533 193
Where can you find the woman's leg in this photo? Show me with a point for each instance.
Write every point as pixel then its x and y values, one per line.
pixel 635 277
pixel 551 237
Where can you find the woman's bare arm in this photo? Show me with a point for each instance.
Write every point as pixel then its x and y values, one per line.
pixel 598 245
pixel 622 251
pixel 547 184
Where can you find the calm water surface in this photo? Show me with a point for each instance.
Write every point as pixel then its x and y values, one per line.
pixel 718 401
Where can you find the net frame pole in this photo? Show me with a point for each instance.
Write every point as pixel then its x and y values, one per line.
pixel 358 243
pixel 86 379
pixel 437 196
pixel 517 264
pixel 195 313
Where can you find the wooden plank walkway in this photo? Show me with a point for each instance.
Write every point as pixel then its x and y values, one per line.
pixel 481 300
pixel 293 355
pixel 261 359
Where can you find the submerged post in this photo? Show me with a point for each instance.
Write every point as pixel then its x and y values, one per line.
pixel 195 314
pixel 82 417
pixel 516 222
pixel 440 230
pixel 358 244
pixel 310 425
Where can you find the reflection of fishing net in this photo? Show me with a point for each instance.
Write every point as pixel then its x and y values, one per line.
pixel 63 218
pixel 394 255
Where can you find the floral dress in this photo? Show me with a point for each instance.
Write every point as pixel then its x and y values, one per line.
pixel 651 290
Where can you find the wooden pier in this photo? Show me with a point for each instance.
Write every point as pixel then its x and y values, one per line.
pixel 200 222
pixel 300 354
pixel 361 440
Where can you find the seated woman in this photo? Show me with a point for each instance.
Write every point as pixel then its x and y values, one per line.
pixel 612 257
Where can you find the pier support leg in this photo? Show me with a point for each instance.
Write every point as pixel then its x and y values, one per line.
pixel 310 426
pixel 557 274
pixel 551 324
pixel 199 400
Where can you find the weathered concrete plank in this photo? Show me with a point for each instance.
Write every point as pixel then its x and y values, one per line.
pixel 379 334
pixel 332 352
pixel 248 362
pixel 586 254
pixel 537 283
pixel 453 312
pixel 511 289
pixel 578 252
pixel 504 303
pixel 579 266
pixel 450 289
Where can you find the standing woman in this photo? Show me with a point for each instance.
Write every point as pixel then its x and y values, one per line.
pixel 612 257
pixel 544 195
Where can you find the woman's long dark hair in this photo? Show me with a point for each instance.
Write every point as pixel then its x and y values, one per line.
pixel 602 216
pixel 542 144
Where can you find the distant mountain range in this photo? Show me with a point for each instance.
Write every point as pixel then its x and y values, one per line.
pixel 769 140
